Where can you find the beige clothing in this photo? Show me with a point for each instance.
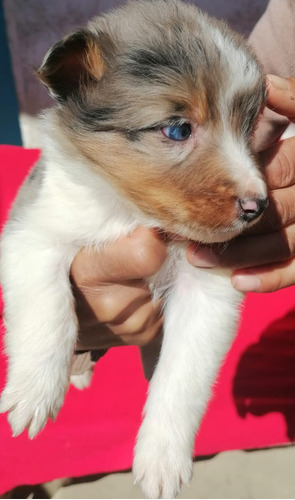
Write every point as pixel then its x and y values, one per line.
pixel 273 41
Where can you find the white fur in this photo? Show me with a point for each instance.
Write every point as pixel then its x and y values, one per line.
pixel 200 318
pixel 67 207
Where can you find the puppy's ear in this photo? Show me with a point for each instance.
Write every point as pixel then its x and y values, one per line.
pixel 71 63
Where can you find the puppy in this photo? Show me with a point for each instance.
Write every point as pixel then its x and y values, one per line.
pixel 156 104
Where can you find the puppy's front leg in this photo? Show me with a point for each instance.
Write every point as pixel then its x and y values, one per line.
pixel 41 328
pixel 200 320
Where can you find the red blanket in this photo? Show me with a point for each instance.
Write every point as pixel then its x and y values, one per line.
pixel 253 404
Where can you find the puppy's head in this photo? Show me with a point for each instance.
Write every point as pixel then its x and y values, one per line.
pixel 163 101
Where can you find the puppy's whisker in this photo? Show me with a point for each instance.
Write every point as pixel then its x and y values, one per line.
pixel 222 247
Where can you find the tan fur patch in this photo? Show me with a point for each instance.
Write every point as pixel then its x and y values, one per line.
pixel 188 199
pixel 93 60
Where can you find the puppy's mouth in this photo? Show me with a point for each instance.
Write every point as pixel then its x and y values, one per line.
pixel 204 236
pixel 250 212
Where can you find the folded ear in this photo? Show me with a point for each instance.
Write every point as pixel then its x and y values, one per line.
pixel 71 63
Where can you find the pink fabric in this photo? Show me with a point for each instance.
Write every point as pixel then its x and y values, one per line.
pixel 253 404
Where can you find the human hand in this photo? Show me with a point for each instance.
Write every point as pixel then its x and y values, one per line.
pixel 113 302
pixel 281 95
pixel 264 258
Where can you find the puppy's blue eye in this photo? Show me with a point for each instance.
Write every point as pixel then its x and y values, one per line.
pixel 178 132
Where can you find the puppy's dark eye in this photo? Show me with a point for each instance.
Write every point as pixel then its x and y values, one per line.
pixel 178 132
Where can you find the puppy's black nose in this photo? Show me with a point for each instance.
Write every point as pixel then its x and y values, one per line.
pixel 251 208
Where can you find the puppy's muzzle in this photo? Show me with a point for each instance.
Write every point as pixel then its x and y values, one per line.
pixel 250 208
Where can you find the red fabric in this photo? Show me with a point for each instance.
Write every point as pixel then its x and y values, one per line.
pixel 253 404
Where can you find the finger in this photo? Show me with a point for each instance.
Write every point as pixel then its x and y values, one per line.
pixel 245 251
pixel 281 95
pixel 279 214
pixel 265 278
pixel 141 329
pixel 138 255
pixel 114 302
pixel 145 337
pixel 139 320
pixel 278 164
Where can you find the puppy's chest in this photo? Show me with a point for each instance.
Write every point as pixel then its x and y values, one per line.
pixel 84 209
pixel 96 223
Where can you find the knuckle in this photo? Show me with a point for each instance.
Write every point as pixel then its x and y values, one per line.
pixel 276 281
pixel 140 328
pixel 284 209
pixel 105 305
pixel 279 282
pixel 149 258
pixel 291 244
pixel 284 169
pixel 152 333
pixel 134 325
pixel 143 338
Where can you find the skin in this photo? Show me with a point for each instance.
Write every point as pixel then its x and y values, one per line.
pixel 113 302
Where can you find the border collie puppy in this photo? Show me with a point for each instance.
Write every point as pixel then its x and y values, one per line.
pixel 156 104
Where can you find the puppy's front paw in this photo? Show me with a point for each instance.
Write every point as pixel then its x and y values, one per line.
pixel 160 467
pixel 30 403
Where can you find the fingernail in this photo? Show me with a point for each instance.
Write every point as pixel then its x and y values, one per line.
pixel 278 82
pixel 246 282
pixel 203 257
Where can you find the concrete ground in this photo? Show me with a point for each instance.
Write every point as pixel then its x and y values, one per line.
pixel 257 474
pixel 239 474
